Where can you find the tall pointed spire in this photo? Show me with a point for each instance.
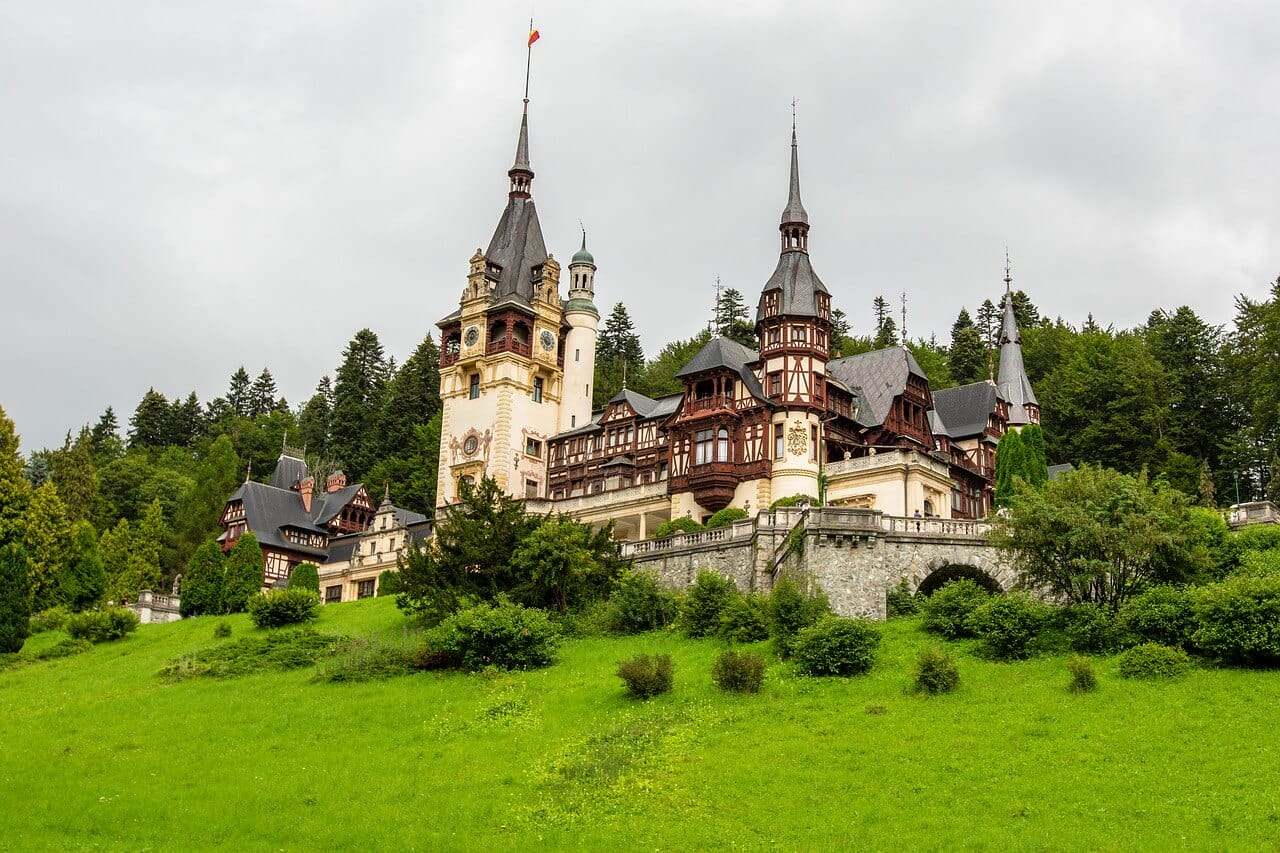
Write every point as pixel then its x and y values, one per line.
pixel 521 173
pixel 795 220
pixel 1014 386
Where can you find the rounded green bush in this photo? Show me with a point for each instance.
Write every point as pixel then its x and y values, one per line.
pixel 1008 624
pixel 638 604
pixel 745 619
pixel 305 576
pixel 936 672
pixel 738 672
pixel 836 646
pixel 389 583
pixel 1083 678
pixel 1090 628
pixel 947 611
pixel 506 636
pixel 725 517
pixel 1162 614
pixel 1152 660
pixel 709 595
pixel 1238 620
pixel 281 607
pixel 677 525
pixel 101 626
pixel 791 610
pixel 647 676
pixel 899 601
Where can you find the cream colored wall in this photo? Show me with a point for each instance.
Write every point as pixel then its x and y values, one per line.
pixel 882 487
pixel 750 495
pixel 794 473
pixel 579 374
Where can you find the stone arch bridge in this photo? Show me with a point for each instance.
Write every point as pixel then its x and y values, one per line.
pixel 855 555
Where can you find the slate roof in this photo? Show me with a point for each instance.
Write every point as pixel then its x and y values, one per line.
pixel 1015 386
pixel 268 510
pixel 729 354
pixel 289 470
pixel 794 211
pixel 878 376
pixel 966 408
pixel 795 277
pixel 639 403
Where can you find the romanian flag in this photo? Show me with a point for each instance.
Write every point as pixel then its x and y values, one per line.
pixel 534 35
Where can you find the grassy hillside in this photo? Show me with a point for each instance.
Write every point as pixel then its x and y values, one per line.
pixel 97 751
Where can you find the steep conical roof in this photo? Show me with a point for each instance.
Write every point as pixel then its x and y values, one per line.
pixel 517 247
pixel 522 145
pixel 794 275
pixel 1013 384
pixel 794 211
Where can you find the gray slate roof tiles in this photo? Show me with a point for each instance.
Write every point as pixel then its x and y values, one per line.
pixel 878 376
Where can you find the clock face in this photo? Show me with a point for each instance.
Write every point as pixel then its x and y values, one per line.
pixel 472 335
pixel 548 341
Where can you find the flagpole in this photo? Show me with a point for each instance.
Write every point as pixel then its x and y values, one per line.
pixel 528 63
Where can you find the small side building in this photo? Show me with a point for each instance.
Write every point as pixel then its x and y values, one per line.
pixel 356 560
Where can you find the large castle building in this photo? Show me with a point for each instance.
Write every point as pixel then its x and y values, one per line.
pixel 748 427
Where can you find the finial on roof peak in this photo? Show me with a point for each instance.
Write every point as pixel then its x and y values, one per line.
pixel 794 213
pixel 1008 275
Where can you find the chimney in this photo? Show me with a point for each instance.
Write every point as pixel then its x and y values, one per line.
pixel 305 488
pixel 337 480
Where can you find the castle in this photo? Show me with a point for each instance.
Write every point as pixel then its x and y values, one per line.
pixel 748 427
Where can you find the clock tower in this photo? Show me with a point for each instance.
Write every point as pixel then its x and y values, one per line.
pixel 502 356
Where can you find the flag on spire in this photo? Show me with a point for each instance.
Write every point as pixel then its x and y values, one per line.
pixel 534 35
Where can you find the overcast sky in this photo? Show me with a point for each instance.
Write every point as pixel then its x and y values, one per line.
pixel 186 187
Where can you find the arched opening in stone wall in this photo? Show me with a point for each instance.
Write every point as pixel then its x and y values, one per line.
pixel 941 577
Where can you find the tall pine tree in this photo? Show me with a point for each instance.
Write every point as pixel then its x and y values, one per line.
pixel 967 356
pixel 76 476
pixel 239 392
pixel 14 490
pixel 358 395
pixel 313 420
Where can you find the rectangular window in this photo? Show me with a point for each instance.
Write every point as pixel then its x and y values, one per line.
pixel 703 446
pixel 332 594
pixel 797 334
pixel 813 443
pixel 573 421
pixel 533 447
pixel 775 336
pixel 775 384
pixel 777 441
pixel 530 489
pixel 577 355
pixel 474 390
pixel 537 390
pixel 364 589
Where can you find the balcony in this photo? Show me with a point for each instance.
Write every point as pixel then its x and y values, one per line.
pixel 506 345
pixel 713 484
pixel 715 403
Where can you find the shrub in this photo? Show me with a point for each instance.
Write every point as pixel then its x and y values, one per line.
pixel 1152 660
pixel 1083 678
pixel 305 576
pixel 101 626
pixel 1090 628
pixel 638 604
pixel 700 615
pixel 506 636
pixel 64 649
pixel 947 611
pixel 1007 625
pixel 222 630
pixel 647 676
pixel 738 672
pixel 367 659
pixel 899 601
pixel 836 646
pixel 791 610
pixel 745 619
pixel 676 525
pixel 281 650
pixel 1162 614
pixel 1238 620
pixel 53 619
pixel 389 583
pixel 281 607
pixel 793 500
pixel 725 517
pixel 936 672
pixel 427 656
pixel 15 604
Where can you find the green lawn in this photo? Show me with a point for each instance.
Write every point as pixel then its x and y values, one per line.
pixel 96 751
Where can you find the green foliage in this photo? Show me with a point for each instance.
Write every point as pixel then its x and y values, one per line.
pixel 244 574
pixel 15 604
pixel 46 538
pixel 1009 624
pixel 64 649
pixel 280 651
pixel 280 607
pixel 677 525
pixel 1034 455
pixel 745 619
pixel 836 646
pixel 389 583
pixel 472 554
pixel 506 636
pixel 1099 536
pixel 947 611
pixel 366 659
pixel 899 601
pixel 1161 614
pixel 305 576
pixel 222 630
pixel 563 564
pixel 726 517
pixel 646 676
pixel 1152 661
pixel 1083 678
pixel 638 604
pixel 706 599
pixel 791 610
pixel 358 396
pixel 102 626
pixel 1011 463
pixel 1237 620
pixel 215 478
pixel 1090 628
pixel 83 578
pixel 936 672
pixel 738 671
pixel 967 355
pixel 793 500
pixel 76 477
pixel 203 583
pixel 53 619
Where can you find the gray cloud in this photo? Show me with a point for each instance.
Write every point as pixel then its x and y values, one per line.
pixel 190 187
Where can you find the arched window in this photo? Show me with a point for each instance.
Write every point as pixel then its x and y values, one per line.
pixel 722 445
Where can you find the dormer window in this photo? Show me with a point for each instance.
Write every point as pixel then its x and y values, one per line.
pixel 772 302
